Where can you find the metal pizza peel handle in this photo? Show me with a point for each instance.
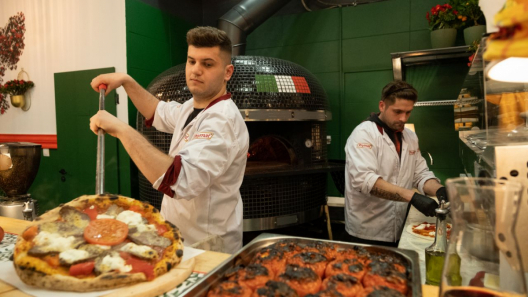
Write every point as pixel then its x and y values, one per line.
pixel 99 176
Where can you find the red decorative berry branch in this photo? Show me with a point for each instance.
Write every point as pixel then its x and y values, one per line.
pixel 11 43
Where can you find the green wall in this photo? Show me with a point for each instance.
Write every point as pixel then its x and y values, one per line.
pixel 348 50
pixel 155 42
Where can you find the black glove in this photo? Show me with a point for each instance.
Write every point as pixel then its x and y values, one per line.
pixel 424 204
pixel 441 194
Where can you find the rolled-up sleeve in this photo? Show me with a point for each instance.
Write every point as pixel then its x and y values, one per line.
pixel 207 155
pixel 165 116
pixel 362 162
pixel 422 173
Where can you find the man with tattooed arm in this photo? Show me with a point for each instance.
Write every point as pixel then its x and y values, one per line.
pixel 383 165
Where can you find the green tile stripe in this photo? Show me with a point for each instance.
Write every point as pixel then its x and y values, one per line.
pixel 266 83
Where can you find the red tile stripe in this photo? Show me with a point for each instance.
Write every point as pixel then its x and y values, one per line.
pixel 48 141
pixel 301 85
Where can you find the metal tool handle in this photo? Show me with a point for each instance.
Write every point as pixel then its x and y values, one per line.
pixel 99 177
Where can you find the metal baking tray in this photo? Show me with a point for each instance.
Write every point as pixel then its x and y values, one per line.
pixel 247 253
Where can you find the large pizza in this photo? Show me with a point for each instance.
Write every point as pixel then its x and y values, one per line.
pixel 96 243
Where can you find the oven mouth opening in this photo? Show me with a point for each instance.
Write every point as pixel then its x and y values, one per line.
pixel 270 152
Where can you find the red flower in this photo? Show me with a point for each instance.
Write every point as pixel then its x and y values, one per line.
pixel 455 12
pixel 438 7
pixel 427 16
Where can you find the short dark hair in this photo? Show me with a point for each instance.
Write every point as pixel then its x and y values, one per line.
pixel 398 89
pixel 209 37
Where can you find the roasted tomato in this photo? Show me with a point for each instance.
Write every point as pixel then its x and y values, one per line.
pixel 253 276
pixel 303 280
pixel 385 274
pixel 343 283
pixel 272 258
pixel 315 261
pixel 229 289
pixel 274 288
pixel 348 266
pixel 379 291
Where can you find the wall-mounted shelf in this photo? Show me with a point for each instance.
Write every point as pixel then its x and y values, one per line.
pixel 400 60
pixel 446 102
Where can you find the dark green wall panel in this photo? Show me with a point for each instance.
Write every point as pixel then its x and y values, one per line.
pixel 381 18
pixel 316 57
pixel 362 96
pixel 305 28
pixel 330 82
pixel 420 40
pixel 268 34
pixel 146 20
pixel 372 53
pixel 148 54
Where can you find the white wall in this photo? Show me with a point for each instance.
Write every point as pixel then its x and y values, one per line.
pixel 61 36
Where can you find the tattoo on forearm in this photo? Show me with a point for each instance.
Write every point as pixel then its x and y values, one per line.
pixel 386 195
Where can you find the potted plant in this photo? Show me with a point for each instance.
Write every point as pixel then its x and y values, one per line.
pixel 475 24
pixel 16 89
pixel 443 23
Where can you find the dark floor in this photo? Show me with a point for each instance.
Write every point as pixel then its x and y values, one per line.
pixel 315 229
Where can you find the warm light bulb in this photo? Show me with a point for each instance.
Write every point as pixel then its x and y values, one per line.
pixel 513 70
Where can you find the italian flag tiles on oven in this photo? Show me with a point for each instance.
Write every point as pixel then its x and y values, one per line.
pixel 281 84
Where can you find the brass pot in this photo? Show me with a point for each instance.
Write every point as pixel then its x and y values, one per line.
pixel 18 100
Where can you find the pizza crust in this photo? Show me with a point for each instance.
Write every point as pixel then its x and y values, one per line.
pixel 49 278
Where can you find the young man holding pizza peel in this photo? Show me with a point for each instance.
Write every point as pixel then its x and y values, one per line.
pixel 203 171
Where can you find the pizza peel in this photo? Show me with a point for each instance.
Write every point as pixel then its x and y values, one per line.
pixel 162 284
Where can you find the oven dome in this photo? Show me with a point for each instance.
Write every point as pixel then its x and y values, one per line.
pixel 263 88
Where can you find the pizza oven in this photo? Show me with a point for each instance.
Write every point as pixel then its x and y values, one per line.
pixel 286 110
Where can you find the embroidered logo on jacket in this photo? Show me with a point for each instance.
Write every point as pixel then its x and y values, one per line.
pixel 203 135
pixel 412 152
pixel 364 145
pixel 186 137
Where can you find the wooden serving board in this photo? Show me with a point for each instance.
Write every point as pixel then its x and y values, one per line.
pixel 160 285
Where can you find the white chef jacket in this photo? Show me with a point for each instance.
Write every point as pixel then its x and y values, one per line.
pixel 371 154
pixel 212 152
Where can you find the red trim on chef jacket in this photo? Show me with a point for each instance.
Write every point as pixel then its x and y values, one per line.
pixel 380 128
pixel 221 98
pixel 149 122
pixel 170 178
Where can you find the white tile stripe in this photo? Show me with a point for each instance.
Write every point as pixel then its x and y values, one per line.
pixel 285 84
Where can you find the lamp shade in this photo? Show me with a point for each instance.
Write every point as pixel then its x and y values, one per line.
pixel 507 49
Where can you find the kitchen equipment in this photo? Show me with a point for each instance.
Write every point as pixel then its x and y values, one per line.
pixel 19 163
pixel 244 256
pixel 484 212
pixel 435 253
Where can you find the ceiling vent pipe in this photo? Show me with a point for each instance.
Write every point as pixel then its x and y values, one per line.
pixel 243 18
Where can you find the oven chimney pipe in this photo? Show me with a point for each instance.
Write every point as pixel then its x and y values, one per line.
pixel 243 18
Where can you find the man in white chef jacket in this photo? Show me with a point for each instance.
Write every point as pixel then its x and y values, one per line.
pixel 202 174
pixel 383 165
